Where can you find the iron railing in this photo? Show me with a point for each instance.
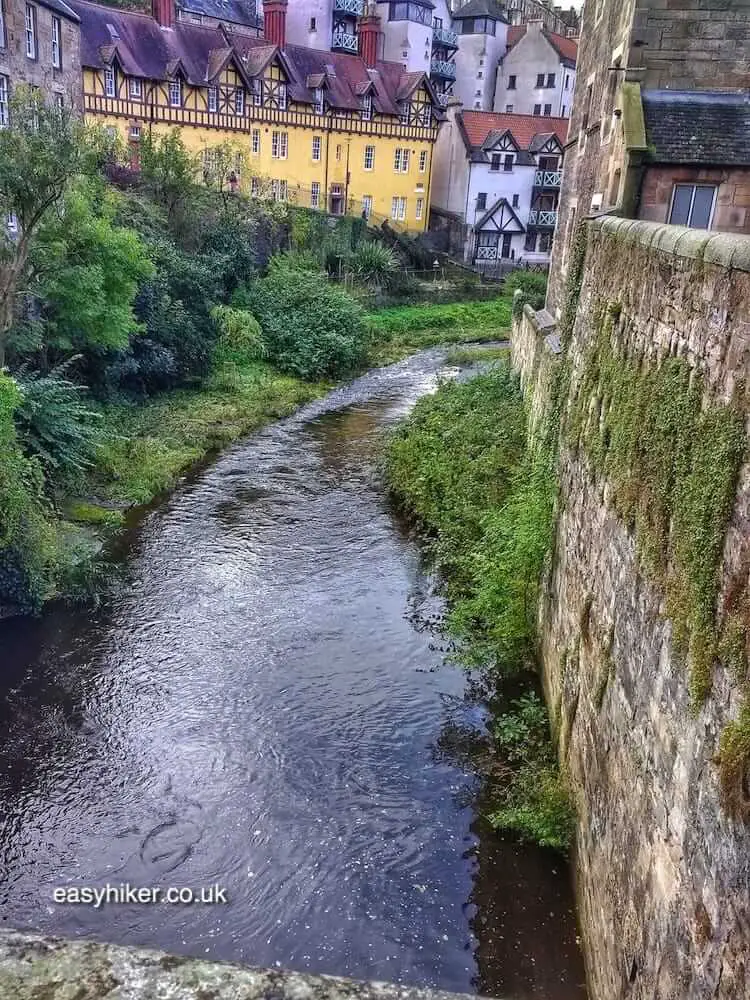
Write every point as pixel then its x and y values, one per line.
pixel 444 68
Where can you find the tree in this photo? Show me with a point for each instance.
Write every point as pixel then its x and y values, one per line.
pixel 41 150
pixel 169 170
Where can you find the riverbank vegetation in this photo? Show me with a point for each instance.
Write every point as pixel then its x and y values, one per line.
pixel 148 318
pixel 461 466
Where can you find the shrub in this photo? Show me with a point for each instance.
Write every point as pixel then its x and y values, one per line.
pixel 533 286
pixel 312 329
pixel 373 264
pixel 240 337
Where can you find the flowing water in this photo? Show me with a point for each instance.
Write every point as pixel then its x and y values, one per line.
pixel 261 708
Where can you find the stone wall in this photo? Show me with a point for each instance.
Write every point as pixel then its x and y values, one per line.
pixel 39 968
pixel 732 209
pixel 65 81
pixel 663 872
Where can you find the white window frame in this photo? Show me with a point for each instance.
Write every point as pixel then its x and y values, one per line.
pixel 365 107
pixel 110 81
pixel 239 100
pixel 134 132
pixel 175 87
pixel 279 189
pixel 279 145
pixel 419 209
pixel 11 223
pixel 398 208
pixel 30 22
pixel 213 99
pixel 367 205
pixel 320 101
pixel 60 102
pixel 315 194
pixel 3 38
pixel 369 158
pixel 4 101
pixel 254 187
pixel 135 88
pixel 255 141
pixel 257 92
pixel 401 159
pixel 694 186
pixel 317 148
pixel 282 97
pixel 56 42
pixel 422 161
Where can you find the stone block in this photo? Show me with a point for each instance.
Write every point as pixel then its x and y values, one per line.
pixel 692 243
pixel 720 248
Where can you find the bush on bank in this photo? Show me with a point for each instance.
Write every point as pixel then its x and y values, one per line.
pixel 461 466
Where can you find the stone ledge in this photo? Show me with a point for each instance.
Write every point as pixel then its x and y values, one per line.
pixel 729 250
pixel 34 967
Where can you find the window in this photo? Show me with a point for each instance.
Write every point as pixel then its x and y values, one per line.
pixel 338 152
pixel 315 194
pixel 110 84
pixel 278 190
pixel 539 80
pixel 2 25
pixel 537 109
pixel 60 102
pixel 320 101
pixel 508 163
pixel 478 93
pixel 515 201
pixel 530 241
pixel 550 79
pixel 365 107
pixel 239 162
pixel 4 114
pixel 401 160
pixel 257 93
pixel 567 81
pixel 213 99
pixel 419 209
pixel 255 141
pixel 134 86
pixel 398 208
pixel 512 82
pixel 135 131
pixel 423 161
pixel 587 107
pixel 239 101
pixel 56 43
pixel 281 98
pixel 12 223
pixel 481 201
pixel 254 187
pixel 31 51
pixel 509 109
pixel 369 157
pixel 316 147
pixel 175 93
pixel 279 145
pixel 479 75
pixel 562 113
pixel 692 205
pixel 366 206
pixel 545 242
pixel 313 27
pixel 196 18
pixel 547 110
pixel 495 161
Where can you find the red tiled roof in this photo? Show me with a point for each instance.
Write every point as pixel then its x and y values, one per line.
pixel 143 49
pixel 477 125
pixel 566 48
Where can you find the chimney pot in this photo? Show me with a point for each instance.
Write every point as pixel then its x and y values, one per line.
pixel 163 12
pixel 274 21
pixel 368 32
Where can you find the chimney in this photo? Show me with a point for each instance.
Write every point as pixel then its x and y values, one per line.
pixel 274 21
pixel 368 31
pixel 163 12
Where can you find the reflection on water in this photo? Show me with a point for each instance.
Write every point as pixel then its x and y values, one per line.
pixel 258 708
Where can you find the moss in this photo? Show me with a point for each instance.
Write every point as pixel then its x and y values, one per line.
pixel 90 513
pixel 673 465
pixel 574 282
pixel 734 764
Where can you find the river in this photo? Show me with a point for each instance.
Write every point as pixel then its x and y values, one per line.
pixel 260 706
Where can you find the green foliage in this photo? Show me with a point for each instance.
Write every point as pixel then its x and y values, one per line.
pixel 240 337
pixel 373 264
pixel 493 315
pixel 56 425
pixel 460 465
pixel 312 328
pixel 533 288
pixel 91 513
pixel 734 764
pixel 169 170
pixel 476 354
pixel 673 463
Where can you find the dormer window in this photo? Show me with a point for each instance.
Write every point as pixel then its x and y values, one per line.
pixel 134 85
pixel 175 93
pixel 239 101
pixel 365 107
pixel 282 96
pixel 213 99
pixel 257 92
pixel 110 82
pixel 320 101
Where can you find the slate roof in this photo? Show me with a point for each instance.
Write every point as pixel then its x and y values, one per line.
pixel 707 127
pixel 144 49
pixel 476 126
pixel 566 48
pixel 480 8
pixel 61 8
pixel 232 11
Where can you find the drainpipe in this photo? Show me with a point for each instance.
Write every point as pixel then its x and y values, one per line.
pixel 346 183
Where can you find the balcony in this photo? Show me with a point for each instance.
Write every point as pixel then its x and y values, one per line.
pixel 444 68
pixel 548 178
pixel 344 41
pixel 353 7
pixel 543 218
pixel 446 37
pixel 443 97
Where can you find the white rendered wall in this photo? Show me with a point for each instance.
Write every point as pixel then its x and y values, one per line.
pixel 406 42
pixel 450 167
pixel 529 57
pixel 479 54
pixel 298 16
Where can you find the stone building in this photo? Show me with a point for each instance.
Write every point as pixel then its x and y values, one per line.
pixel 538 73
pixel 660 121
pixel 40 45
pixel 239 15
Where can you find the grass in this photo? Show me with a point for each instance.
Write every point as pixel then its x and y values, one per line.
pixel 401 330
pixel 149 446
pixel 473 353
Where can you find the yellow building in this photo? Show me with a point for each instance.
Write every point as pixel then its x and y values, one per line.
pixel 345 133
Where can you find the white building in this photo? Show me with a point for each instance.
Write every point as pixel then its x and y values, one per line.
pixel 538 72
pixel 482 41
pixel 500 175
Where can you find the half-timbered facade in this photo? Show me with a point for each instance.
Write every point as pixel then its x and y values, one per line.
pixel 501 174
pixel 322 129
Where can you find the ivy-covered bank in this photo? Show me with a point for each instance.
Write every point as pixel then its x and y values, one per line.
pixel 461 467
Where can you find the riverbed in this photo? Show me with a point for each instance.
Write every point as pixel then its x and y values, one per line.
pixel 260 707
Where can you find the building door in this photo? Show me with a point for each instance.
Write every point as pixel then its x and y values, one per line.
pixel 507 239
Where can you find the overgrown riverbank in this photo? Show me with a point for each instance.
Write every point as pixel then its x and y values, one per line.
pixel 460 465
